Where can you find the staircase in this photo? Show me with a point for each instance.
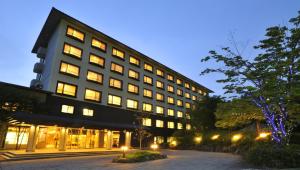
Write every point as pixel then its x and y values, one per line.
pixel 9 156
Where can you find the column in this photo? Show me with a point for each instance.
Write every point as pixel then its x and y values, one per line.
pixel 96 142
pixel 33 134
pixel 101 139
pixel 63 139
pixel 109 139
pixel 128 139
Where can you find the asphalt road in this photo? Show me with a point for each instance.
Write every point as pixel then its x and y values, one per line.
pixel 177 160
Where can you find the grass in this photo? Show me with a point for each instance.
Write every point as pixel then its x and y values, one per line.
pixel 140 156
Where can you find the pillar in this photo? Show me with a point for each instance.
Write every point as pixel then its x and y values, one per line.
pixel 109 139
pixel 128 139
pixel 32 138
pixel 63 139
pixel 101 139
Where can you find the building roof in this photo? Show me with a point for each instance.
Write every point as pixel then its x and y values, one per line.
pixel 56 16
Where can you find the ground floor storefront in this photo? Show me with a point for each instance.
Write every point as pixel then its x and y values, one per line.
pixel 34 137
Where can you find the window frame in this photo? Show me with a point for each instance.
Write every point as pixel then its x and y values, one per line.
pixel 138 89
pixel 61 109
pixel 145 63
pixel 71 55
pixel 151 84
pixel 171 76
pixel 162 109
pixel 148 96
pixel 173 100
pixel 123 59
pixel 147 104
pixel 97 48
pixel 136 65
pixel 163 76
pixel 68 74
pixel 95 63
pixel 113 86
pixel 100 95
pixel 62 94
pixel 130 107
pixel 75 38
pixel 93 81
pixel 163 84
pixel 88 109
pixel 172 87
pixel 163 96
pixel 181 103
pixel 117 71
pixel 138 79
pixel 111 104
pixel 181 92
pixel 159 120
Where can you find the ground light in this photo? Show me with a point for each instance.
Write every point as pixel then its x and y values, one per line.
pixel 124 149
pixel 198 139
pixel 236 137
pixel 173 143
pixel 263 135
pixel 215 137
pixel 154 146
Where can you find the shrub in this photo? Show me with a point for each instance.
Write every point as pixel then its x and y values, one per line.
pixel 273 156
pixel 140 156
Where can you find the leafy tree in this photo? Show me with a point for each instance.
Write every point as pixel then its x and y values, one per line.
pixel 141 131
pixel 237 113
pixel 271 80
pixel 202 117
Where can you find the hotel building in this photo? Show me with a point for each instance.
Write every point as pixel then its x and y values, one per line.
pixel 96 88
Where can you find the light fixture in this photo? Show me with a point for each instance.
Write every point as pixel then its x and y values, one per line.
pixel 124 149
pixel 198 139
pixel 236 137
pixel 154 146
pixel 215 137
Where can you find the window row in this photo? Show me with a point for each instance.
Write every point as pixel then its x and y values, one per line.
pixel 98 44
pixel 160 124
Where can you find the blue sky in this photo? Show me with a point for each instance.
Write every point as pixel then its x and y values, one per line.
pixel 177 33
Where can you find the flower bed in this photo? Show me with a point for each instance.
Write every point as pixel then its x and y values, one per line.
pixel 140 156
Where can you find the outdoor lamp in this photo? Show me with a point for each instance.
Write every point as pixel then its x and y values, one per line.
pixel 236 137
pixel 154 146
pixel 263 135
pixel 215 137
pixel 198 139
pixel 124 148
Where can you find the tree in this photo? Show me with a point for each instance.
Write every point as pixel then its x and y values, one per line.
pixel 140 130
pixel 202 117
pixel 238 113
pixel 271 80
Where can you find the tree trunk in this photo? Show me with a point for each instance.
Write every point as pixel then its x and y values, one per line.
pixel 3 131
pixel 140 143
pixel 257 126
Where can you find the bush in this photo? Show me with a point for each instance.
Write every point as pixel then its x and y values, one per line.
pixel 140 156
pixel 273 156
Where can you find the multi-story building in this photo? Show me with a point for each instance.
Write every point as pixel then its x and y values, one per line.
pixel 94 78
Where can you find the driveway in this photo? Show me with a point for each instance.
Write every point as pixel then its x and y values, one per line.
pixel 177 160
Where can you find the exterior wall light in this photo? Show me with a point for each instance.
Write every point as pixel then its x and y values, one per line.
pixel 215 137
pixel 124 149
pixel 236 137
pixel 198 139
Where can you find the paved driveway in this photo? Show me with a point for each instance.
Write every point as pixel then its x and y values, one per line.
pixel 177 160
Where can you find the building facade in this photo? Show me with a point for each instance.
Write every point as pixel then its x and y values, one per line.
pixel 100 87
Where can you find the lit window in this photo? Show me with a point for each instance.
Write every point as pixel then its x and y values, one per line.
pixel 187 105
pixel 66 89
pixel 67 109
pixel 118 53
pixel 159 73
pixel 116 68
pixel 92 95
pixel 179 92
pixel 171 112
pixel 194 98
pixel 115 83
pixel 179 114
pixel 179 126
pixel 160 123
pixel 159 84
pixel 72 32
pixel 170 89
pixel 170 77
pixel 204 93
pixel 171 125
pixel 159 97
pixel 97 60
pixel 159 139
pixel 179 82
pixel 188 116
pixel 147 107
pixel 148 67
pixel 187 95
pixel 146 122
pixel 188 127
pixel 170 100
pixel 133 74
pixel 134 61
pixel 200 91
pixel 132 104
pixel 159 110
pixel 72 50
pixel 95 77
pixel 69 69
pixel 187 85
pixel 114 100
pixel 99 44
pixel 179 103
pixel 133 88
pixel 147 93
pixel 148 80
pixel 88 112
pixel 193 88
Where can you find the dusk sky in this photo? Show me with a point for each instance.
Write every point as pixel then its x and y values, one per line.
pixel 173 32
